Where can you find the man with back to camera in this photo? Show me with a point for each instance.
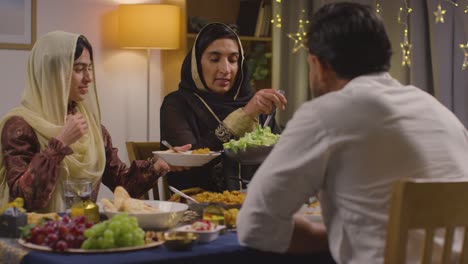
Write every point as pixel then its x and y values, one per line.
pixel 364 132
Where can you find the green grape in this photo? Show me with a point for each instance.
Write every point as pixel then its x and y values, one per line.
pixel 88 243
pixel 108 234
pixel 89 233
pixel 125 227
pixel 127 239
pixel 119 231
pixel 133 221
pixel 115 227
pixel 99 228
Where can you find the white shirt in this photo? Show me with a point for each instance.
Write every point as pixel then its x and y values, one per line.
pixel 351 145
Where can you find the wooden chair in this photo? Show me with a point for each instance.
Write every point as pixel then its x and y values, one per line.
pixel 143 151
pixel 427 205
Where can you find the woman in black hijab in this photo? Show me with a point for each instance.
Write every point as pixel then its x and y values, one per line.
pixel 214 103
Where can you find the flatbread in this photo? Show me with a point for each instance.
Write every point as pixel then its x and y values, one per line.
pixel 137 206
pixel 108 205
pixel 120 195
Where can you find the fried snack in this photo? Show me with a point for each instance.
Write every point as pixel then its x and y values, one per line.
pixel 152 236
pixel 35 218
pixel 230 217
pixel 137 206
pixel 226 197
pixel 120 195
pixel 201 151
pixel 108 205
pixel 17 203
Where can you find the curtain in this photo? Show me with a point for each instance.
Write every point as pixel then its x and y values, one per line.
pixel 436 56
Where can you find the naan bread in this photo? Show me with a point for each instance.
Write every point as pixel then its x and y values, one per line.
pixel 124 203
pixel 137 206
pixel 120 195
pixel 108 205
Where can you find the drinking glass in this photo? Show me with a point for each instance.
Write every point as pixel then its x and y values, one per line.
pixel 75 191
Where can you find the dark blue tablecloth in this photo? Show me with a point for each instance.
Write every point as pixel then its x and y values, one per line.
pixel 224 250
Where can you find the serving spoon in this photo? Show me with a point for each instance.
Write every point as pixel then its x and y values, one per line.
pixel 272 114
pixel 183 194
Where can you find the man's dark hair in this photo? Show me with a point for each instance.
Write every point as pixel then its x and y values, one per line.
pixel 350 38
pixel 83 43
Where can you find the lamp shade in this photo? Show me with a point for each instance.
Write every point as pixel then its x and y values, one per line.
pixel 149 26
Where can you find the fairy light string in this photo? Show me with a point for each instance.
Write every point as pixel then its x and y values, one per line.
pixel 464 48
pixel 404 12
pixel 276 20
pixel 405 45
pixel 378 6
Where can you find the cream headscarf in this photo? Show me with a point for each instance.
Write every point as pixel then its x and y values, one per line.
pixel 44 106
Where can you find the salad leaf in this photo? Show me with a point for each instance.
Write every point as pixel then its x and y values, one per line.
pixel 259 137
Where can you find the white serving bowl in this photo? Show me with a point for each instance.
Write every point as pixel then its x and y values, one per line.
pixel 168 217
pixel 186 159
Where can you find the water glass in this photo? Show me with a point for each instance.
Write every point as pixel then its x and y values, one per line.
pixel 75 191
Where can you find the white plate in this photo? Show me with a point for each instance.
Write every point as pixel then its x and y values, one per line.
pixel 170 215
pixel 186 159
pixel 203 236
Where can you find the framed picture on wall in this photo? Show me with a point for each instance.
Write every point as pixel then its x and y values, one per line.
pixel 17 24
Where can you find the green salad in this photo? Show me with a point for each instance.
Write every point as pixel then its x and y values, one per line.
pixel 259 137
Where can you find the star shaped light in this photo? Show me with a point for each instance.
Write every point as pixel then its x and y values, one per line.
pixel 300 36
pixel 405 54
pixel 464 47
pixel 299 41
pixel 439 14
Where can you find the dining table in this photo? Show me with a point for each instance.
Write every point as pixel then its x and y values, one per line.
pixel 225 249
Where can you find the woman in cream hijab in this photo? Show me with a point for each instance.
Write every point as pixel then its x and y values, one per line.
pixel 56 134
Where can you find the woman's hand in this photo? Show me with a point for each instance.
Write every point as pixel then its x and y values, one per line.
pixel 264 101
pixel 162 167
pixel 75 127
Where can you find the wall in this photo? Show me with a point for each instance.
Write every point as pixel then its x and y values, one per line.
pixel 121 74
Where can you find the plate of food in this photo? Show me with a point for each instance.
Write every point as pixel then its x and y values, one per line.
pixel 192 158
pixel 205 230
pixel 81 251
pixel 78 235
pixel 312 210
pixel 230 201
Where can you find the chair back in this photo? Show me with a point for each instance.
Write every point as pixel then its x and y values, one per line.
pixel 427 205
pixel 143 151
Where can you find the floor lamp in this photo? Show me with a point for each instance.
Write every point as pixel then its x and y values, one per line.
pixel 149 26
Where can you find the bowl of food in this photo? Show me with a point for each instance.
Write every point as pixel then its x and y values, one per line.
pixel 166 215
pixel 225 199
pixel 205 230
pixel 253 147
pixel 250 155
pixel 193 158
pixel 179 241
pixel 150 214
